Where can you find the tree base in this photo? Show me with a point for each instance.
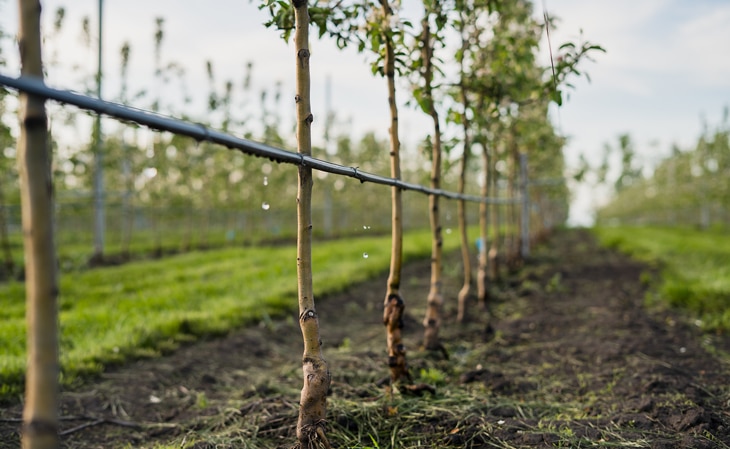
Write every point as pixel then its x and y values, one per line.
pixel 313 437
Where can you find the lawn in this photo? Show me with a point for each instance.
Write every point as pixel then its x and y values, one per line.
pixel 109 315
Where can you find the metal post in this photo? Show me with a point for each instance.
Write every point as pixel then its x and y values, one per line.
pixel 99 225
pixel 525 228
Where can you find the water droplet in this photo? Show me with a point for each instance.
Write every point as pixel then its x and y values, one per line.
pixel 448 230
pixel 266 180
pixel 265 205
pixel 365 255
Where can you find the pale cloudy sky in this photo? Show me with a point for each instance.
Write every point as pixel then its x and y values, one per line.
pixel 667 66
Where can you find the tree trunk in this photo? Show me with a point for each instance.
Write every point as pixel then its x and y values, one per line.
pixel 313 403
pixel 494 249
pixel 513 250
pixel 465 290
pixel 394 306
pixel 461 188
pixel 40 413
pixel 435 300
pixel 482 274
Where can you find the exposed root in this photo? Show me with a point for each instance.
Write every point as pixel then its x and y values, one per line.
pixel 418 389
pixel 313 437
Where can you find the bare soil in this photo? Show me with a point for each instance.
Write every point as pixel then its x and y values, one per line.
pixel 568 355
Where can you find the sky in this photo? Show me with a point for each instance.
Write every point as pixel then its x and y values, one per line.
pixel 666 69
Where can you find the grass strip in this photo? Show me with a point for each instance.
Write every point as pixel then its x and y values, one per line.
pixel 112 314
pixel 695 267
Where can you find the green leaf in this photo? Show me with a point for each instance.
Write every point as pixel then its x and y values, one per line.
pixel 557 97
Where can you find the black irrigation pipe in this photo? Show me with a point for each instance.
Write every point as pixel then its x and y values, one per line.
pixel 200 132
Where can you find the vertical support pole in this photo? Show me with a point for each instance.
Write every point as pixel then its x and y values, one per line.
pixel 525 227
pixel 99 225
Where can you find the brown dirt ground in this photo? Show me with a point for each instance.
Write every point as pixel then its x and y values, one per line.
pixel 573 358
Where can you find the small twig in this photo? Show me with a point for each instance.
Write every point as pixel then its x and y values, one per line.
pixel 656 360
pixel 81 427
pixel 323 437
pixel 249 407
pixel 60 418
pixel 97 421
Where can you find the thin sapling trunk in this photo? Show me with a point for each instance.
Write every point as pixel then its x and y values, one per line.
pixel 432 320
pixel 494 215
pixel 313 403
pixel 461 187
pixel 482 275
pixel 394 306
pixel 40 411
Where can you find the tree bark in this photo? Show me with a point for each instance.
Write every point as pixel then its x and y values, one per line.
pixel 465 290
pixel 432 320
pixel 461 188
pixel 482 274
pixel 313 403
pixel 40 413
pixel 494 215
pixel 394 306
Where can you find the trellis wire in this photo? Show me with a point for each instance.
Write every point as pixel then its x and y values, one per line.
pixel 200 132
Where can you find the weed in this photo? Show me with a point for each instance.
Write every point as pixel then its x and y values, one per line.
pixel 201 400
pixel 554 284
pixel 432 376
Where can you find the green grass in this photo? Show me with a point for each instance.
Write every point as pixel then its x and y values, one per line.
pixel 695 267
pixel 112 314
pixel 75 248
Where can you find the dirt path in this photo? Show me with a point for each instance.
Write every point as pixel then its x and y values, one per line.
pixel 573 359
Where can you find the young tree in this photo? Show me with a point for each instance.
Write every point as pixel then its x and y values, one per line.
pixel 431 37
pixel 394 306
pixel 473 113
pixel 510 80
pixel 313 404
pixel 372 25
pixel 461 95
pixel 40 419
